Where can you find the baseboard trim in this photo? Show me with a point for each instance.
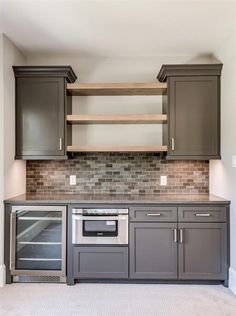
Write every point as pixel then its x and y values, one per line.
pixel 2 275
pixel 232 280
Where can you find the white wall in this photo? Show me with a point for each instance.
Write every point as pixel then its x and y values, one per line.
pixel 222 174
pixel 14 170
pixel 115 70
pixel 1 163
pixel 13 174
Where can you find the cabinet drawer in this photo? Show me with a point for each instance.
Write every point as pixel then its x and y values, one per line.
pixel 202 214
pixel 101 262
pixel 151 214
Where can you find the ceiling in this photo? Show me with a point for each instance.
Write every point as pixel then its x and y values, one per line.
pixel 118 28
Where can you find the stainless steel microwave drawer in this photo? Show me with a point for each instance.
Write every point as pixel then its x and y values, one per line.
pixel 202 214
pixel 153 213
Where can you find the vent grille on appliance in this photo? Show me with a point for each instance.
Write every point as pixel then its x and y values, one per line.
pixel 38 279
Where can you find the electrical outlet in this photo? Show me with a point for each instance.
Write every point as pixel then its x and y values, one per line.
pixel 73 180
pixel 234 161
pixel 163 180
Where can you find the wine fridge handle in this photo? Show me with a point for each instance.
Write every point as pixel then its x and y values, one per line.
pixel 12 240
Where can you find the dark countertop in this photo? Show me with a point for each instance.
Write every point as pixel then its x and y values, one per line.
pixel 119 199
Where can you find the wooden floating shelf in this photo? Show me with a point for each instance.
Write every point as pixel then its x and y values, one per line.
pixel 150 148
pixel 114 89
pixel 117 119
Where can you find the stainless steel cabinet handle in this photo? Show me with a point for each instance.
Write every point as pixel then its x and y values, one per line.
pixel 175 235
pixel 11 225
pixel 60 143
pixel 153 214
pixel 43 218
pixel 181 235
pixel 202 214
pixel 12 240
pixel 172 143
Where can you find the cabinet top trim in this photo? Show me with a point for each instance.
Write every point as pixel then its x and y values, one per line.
pixel 45 71
pixel 189 70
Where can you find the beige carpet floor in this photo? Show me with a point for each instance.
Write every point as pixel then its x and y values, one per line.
pixel 116 300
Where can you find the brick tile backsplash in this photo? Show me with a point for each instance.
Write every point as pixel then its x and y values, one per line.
pixel 117 173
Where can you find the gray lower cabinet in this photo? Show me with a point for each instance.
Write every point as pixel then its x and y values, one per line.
pixel 153 251
pixel 101 262
pixel 195 247
pixel 202 251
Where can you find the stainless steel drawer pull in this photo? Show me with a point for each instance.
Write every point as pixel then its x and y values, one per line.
pixel 175 235
pixel 202 214
pixel 181 235
pixel 153 214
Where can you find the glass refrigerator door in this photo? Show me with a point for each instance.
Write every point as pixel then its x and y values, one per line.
pixel 38 242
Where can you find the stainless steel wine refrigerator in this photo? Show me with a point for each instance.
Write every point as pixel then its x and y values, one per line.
pixel 38 242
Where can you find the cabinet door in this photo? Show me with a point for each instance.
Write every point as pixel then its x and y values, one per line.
pixel 153 251
pixel 194 117
pixel 100 262
pixel 202 251
pixel 40 117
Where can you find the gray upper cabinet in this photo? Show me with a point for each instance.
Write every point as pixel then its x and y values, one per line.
pixel 192 104
pixel 153 251
pixel 41 106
